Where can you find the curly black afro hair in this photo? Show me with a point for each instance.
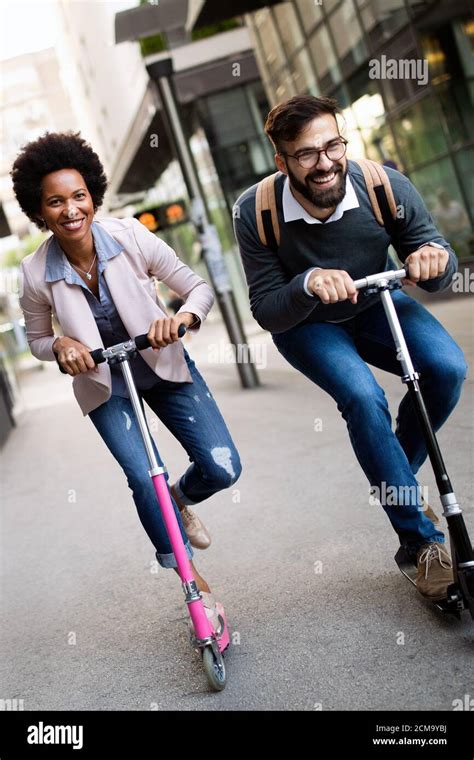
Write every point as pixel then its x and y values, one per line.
pixel 50 153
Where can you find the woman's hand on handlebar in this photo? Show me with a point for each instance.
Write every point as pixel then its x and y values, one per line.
pixel 73 356
pixel 164 331
pixel 333 285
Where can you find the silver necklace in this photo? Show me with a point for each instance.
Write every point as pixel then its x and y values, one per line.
pixel 87 274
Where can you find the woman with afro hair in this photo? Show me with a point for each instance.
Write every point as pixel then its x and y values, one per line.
pixel 97 277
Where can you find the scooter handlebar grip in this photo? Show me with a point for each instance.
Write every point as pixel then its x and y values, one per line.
pixel 97 356
pixel 142 342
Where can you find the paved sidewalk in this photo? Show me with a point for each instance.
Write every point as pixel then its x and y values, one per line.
pixel 88 625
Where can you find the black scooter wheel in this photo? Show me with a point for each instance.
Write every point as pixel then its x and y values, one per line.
pixel 215 672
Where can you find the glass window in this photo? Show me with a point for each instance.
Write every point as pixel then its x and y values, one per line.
pixel 420 134
pixel 260 57
pixel 285 87
pixel 403 77
pixel 457 111
pixel 446 74
pixel 347 34
pixel 381 146
pixel 289 27
pixel 440 190
pixel 238 128
pixel 464 35
pixel 329 5
pixel 303 74
pixel 465 165
pixel 311 13
pixel 341 94
pixel 381 19
pixel 361 84
pixel 366 129
pixel 348 128
pixel 269 40
pixel 396 91
pixel 418 6
pixel 258 105
pixel 324 57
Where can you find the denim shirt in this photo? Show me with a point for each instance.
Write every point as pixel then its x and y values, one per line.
pixel 110 326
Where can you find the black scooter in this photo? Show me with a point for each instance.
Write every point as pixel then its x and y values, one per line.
pixel 460 594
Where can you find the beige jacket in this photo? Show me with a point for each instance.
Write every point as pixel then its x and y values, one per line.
pixel 130 278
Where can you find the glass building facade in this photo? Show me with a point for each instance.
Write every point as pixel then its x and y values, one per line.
pixel 403 74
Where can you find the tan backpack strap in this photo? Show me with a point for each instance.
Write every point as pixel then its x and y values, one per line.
pixel 369 183
pixel 258 211
pixel 384 180
pixel 265 208
pixel 374 176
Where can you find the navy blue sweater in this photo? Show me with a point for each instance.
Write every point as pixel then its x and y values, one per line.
pixel 355 243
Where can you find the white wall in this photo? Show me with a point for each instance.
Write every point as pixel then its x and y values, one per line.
pixel 110 80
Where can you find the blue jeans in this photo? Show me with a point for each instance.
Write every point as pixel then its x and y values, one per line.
pixel 334 357
pixel 190 413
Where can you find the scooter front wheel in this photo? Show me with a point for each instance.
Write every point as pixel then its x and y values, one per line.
pixel 214 669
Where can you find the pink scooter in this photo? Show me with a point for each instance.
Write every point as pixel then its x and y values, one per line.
pixel 205 640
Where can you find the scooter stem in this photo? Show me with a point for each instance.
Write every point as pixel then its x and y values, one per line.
pixel 461 547
pixel 202 626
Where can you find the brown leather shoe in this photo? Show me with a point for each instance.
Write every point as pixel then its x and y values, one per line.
pixel 435 571
pixel 197 533
pixel 195 530
pixel 432 516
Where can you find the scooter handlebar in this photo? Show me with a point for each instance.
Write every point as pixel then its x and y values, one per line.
pixel 97 356
pixel 141 342
pixel 373 279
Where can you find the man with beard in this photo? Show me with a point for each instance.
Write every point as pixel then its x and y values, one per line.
pixel 303 292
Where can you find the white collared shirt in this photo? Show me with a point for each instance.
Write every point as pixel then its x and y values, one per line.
pixel 293 210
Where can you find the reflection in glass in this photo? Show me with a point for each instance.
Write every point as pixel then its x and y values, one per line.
pixel 381 19
pixel 324 56
pixel 418 6
pixel 303 75
pixel 420 134
pixel 440 190
pixel 348 34
pixel 366 130
pixel 310 12
pixel 464 160
pixel 464 35
pixel 288 26
pixel 269 40
pixel 285 87
pixel 441 50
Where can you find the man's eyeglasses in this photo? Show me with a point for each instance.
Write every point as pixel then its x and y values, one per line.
pixel 308 158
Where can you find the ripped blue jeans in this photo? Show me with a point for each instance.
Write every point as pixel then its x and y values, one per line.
pixel 190 413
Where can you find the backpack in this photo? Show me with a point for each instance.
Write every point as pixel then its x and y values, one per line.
pixel 378 187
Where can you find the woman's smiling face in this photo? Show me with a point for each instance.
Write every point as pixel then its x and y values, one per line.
pixel 66 205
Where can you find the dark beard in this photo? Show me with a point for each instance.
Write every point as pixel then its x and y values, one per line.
pixel 321 198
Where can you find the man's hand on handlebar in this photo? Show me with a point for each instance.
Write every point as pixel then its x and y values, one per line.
pixel 425 264
pixel 332 285
pixel 164 331
pixel 73 356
